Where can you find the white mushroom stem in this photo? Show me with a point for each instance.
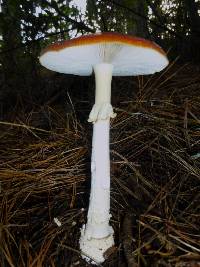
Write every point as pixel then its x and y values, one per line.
pixel 102 108
pixel 97 234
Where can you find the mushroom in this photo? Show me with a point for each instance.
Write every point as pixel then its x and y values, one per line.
pixel 107 54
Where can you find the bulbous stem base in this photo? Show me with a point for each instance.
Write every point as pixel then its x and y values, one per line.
pixel 93 250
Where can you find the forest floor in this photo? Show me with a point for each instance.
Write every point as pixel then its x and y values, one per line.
pixel 155 175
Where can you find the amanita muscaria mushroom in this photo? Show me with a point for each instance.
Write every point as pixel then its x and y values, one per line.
pixel 107 54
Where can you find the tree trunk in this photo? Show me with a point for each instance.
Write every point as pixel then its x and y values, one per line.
pixel 137 23
pixel 194 24
pixel 11 35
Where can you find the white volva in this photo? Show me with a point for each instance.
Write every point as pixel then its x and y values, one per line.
pixel 97 234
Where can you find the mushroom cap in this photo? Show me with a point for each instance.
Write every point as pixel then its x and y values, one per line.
pixel 129 55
